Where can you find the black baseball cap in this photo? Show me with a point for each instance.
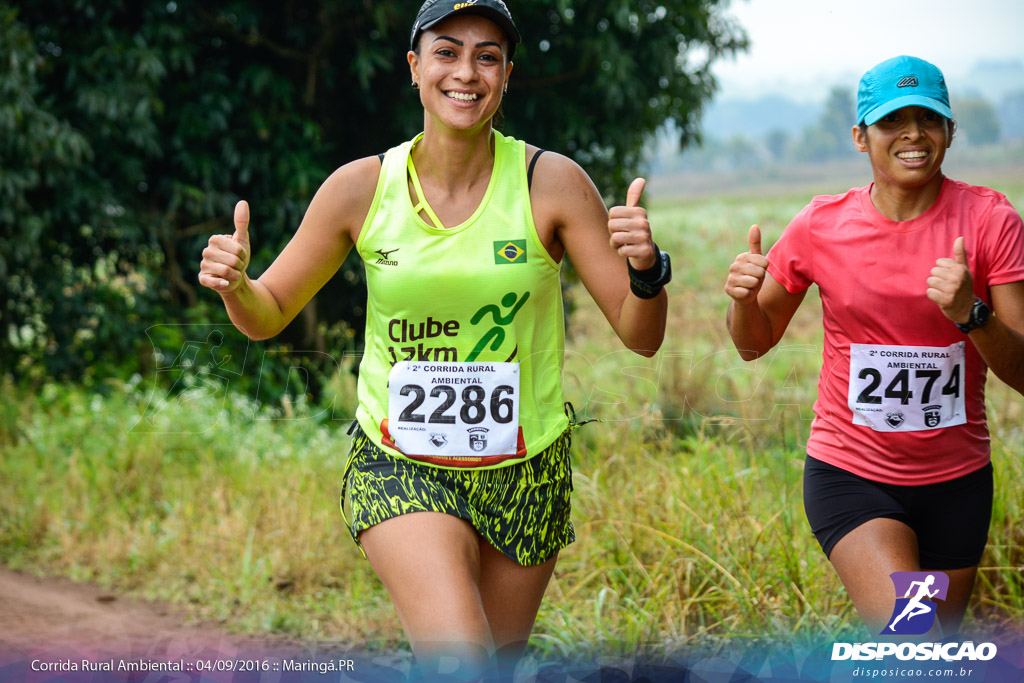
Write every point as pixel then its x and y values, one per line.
pixel 435 11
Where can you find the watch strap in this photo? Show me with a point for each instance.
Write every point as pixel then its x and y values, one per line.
pixel 980 314
pixel 648 283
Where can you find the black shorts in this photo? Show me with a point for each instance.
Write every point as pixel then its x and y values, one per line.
pixel 951 518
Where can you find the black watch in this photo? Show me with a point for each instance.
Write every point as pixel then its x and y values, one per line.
pixel 647 284
pixel 980 313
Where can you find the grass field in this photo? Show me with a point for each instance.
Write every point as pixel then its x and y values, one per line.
pixel 688 512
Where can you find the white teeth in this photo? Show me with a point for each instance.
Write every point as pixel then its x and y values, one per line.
pixel 463 97
pixel 910 156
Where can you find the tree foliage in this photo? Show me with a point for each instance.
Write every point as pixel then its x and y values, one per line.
pixel 976 120
pixel 1011 115
pixel 830 136
pixel 129 128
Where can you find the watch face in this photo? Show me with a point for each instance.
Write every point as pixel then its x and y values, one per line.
pixel 980 313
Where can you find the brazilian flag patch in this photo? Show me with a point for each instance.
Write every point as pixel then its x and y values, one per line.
pixel 509 251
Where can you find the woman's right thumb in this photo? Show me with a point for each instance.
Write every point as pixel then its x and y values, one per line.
pixel 241 222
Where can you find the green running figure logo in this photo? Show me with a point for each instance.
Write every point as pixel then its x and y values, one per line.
pixel 496 335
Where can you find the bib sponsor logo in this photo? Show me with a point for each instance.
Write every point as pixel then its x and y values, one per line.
pixel 478 438
pixel 932 415
pixel 438 440
pixel 894 419
pixel 509 252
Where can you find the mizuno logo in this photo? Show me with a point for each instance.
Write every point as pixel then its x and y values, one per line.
pixel 907 82
pixel 385 257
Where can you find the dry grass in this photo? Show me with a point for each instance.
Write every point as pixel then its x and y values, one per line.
pixel 688 508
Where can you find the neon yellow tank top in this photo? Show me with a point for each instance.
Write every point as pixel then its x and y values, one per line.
pixel 482 292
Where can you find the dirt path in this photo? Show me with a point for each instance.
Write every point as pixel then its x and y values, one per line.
pixel 46 623
pixel 51 614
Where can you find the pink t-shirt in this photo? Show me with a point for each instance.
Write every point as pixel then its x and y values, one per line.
pixel 871 273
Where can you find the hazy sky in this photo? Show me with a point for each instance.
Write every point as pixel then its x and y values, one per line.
pixel 806 46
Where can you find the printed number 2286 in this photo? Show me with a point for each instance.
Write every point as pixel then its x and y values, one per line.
pixel 474 404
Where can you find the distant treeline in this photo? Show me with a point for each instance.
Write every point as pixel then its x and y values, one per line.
pixel 777 130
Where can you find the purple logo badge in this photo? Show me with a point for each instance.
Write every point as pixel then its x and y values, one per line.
pixel 916 593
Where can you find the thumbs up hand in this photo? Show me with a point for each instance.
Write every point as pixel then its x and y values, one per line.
pixel 630 230
pixel 746 274
pixel 951 285
pixel 227 256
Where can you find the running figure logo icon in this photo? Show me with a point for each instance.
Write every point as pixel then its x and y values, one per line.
pixel 914 613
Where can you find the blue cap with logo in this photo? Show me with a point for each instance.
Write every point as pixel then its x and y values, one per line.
pixel 901 82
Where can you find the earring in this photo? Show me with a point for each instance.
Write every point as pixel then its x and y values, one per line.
pixel 415 85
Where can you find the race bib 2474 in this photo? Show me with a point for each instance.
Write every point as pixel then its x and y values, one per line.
pixel 907 388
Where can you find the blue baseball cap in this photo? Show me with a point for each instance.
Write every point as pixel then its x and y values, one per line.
pixel 901 82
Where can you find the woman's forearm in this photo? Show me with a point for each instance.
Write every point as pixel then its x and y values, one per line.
pixel 254 310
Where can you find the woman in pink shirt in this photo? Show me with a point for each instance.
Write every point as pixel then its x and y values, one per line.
pixel 922 286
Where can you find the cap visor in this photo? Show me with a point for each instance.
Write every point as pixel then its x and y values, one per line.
pixel 488 13
pixel 889 107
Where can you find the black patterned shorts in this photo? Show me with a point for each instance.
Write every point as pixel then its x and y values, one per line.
pixel 522 509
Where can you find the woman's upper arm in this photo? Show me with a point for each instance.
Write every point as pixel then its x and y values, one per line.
pixel 778 305
pixel 1008 304
pixel 571 217
pixel 327 233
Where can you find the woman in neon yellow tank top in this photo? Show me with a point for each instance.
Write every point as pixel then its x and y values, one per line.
pixel 460 404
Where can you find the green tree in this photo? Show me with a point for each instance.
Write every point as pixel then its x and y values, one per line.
pixel 829 137
pixel 1011 115
pixel 778 144
pixel 129 128
pixel 976 120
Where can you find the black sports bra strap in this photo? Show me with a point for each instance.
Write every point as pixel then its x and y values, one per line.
pixel 529 172
pixel 381 157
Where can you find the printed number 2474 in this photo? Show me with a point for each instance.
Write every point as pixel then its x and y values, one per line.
pixel 900 386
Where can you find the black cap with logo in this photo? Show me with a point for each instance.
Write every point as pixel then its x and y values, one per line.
pixel 435 11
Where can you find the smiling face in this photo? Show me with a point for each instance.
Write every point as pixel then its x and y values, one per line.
pixel 906 147
pixel 461 69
